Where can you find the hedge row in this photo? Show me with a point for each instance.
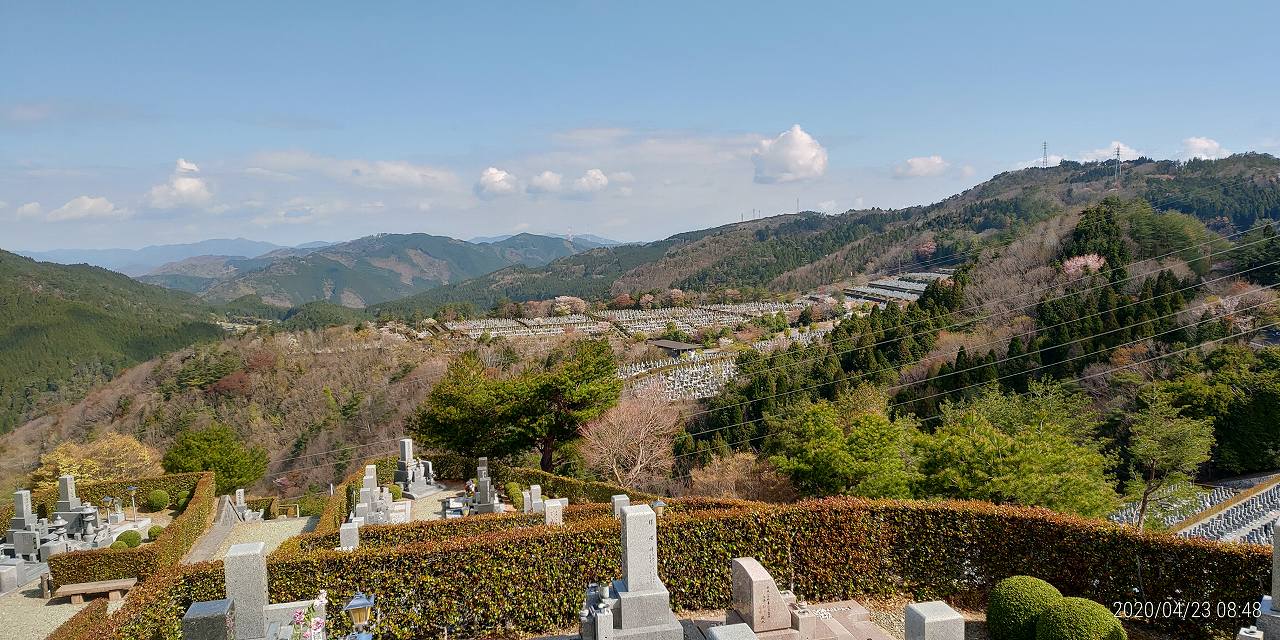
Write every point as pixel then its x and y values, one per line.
pixel 530 580
pixel 346 492
pixel 270 506
pixel 141 562
pixel 82 623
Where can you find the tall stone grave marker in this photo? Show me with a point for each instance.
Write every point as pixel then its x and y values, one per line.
pixel 245 571
pixel 638 606
pixel 619 502
pixel 1269 616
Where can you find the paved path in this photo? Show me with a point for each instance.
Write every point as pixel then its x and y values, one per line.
pixel 26 616
pixel 271 532
pixel 428 507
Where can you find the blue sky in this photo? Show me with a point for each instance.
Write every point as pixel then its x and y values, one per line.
pixel 125 124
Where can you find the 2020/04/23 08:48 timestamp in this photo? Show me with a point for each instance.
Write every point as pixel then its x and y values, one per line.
pixel 1185 609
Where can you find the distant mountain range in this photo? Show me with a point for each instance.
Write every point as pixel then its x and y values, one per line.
pixel 356 273
pixel 579 238
pixel 136 262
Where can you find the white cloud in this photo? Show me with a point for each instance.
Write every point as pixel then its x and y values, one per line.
pixel 592 181
pixel 268 174
pixel 301 210
pixel 30 210
pixel 545 182
pixel 1203 148
pixel 86 207
pixel 378 174
pixel 827 206
pixel 1109 153
pixel 921 167
pixel 792 156
pixel 495 182
pixel 183 189
pixel 622 177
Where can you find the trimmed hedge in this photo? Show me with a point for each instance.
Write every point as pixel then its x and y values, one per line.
pixel 141 562
pixel 157 499
pixel 1014 605
pixel 82 624
pixel 270 506
pixel 1078 619
pixel 529 580
pixel 131 538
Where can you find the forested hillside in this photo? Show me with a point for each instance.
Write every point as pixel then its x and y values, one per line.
pixel 64 329
pixel 360 272
pixel 799 251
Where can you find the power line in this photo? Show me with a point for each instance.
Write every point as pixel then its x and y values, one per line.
pixel 1073 380
pixel 862 376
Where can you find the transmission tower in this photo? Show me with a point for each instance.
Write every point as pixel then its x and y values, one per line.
pixel 1044 153
pixel 1118 171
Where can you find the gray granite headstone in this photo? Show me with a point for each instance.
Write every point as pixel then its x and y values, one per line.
pixel 619 502
pixel 934 621
pixel 67 498
pixel 349 535
pixel 209 620
pixel 640 549
pixel 731 632
pixel 553 512
pixel 245 571
pixel 756 597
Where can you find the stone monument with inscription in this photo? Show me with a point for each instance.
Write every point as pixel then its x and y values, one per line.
pixel 1269 616
pixel 775 614
pixel 638 605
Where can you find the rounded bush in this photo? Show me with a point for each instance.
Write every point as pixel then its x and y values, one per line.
pixel 396 491
pixel 1014 605
pixel 1078 619
pixel 154 532
pixel 119 544
pixel 515 493
pixel 158 499
pixel 130 538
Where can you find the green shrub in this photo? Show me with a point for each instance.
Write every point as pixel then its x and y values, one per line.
pixel 396 491
pixel 1015 604
pixel 1078 619
pixel 154 532
pixel 158 499
pixel 516 493
pixel 119 544
pixel 130 538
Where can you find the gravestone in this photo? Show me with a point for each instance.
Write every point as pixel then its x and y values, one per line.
pixel 756 597
pixel 1268 616
pixel 934 621
pixel 619 502
pixel 245 571
pixel 553 511
pixel 209 620
pixel 526 505
pixel 482 468
pixel 535 494
pixel 349 536
pixel 415 477
pixel 1249 633
pixel 731 632
pixel 638 605
pixel 486 498
pixel 776 614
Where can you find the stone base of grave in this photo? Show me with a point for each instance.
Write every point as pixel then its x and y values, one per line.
pixel 845 620
pixel 421 490
pixel 1269 619
pixel 487 508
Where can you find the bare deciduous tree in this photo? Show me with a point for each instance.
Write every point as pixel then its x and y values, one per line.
pixel 631 443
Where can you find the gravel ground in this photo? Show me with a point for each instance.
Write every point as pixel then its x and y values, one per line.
pixel 272 532
pixel 27 616
pixel 428 507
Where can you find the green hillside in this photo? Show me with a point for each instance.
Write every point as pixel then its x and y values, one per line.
pixel 369 270
pixel 65 328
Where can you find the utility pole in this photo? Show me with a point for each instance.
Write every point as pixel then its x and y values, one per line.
pixel 1118 172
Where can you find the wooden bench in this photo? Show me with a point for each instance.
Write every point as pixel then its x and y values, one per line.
pixel 113 588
